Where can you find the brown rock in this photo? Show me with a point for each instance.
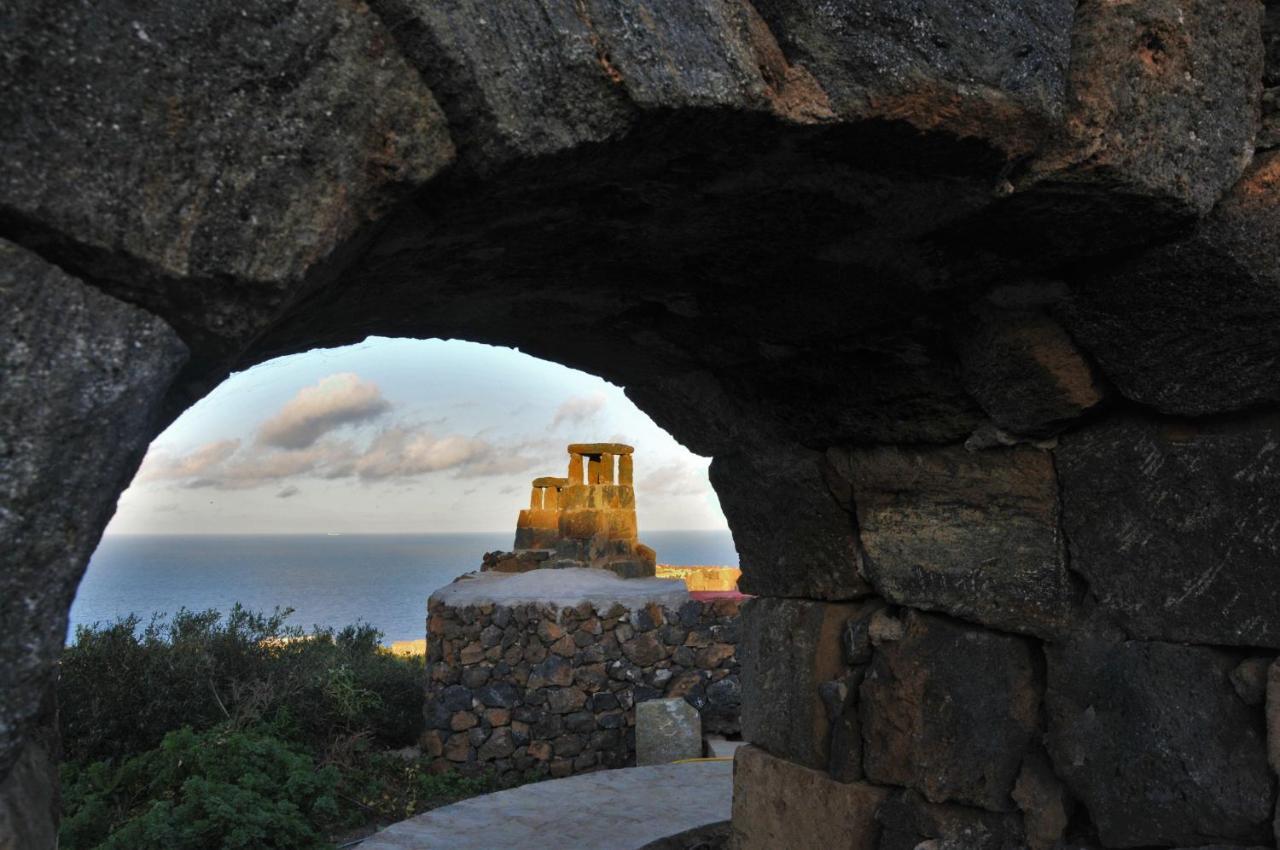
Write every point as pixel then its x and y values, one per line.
pixel 950 710
pixel 1249 678
pixel 497 716
pixel 564 647
pixel 714 655
pixel 645 649
pixel 540 750
pixel 549 632
pixel 457 747
pixel 432 743
pixel 462 720
pixel 1273 716
pixel 472 653
pixel 1046 806
pixel 778 804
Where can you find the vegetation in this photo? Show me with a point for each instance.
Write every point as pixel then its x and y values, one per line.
pixel 204 732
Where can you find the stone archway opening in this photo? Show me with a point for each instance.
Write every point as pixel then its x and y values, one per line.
pixel 978 323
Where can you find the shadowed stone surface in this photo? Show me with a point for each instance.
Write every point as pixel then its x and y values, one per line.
pixel 1025 371
pixel 909 821
pixel 949 709
pixel 790 649
pixel 974 534
pixel 825 562
pixel 205 157
pixel 777 803
pixel 1153 740
pixel 1174 526
pixel 81 378
pixel 1191 328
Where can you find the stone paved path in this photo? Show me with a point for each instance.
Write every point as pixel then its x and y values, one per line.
pixel 609 810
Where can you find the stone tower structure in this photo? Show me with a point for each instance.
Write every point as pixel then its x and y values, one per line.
pixel 587 518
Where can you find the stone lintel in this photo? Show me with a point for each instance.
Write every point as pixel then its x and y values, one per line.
pixel 550 481
pixel 600 449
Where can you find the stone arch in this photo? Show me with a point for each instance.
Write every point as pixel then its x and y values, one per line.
pixel 979 323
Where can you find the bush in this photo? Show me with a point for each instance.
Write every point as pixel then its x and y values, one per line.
pixel 214 790
pixel 123 688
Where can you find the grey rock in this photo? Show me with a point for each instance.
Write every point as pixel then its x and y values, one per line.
pixel 790 649
pixel 1189 327
pixel 974 534
pixel 1153 740
pixel 1025 371
pixel 824 567
pixel 82 377
pixel 1173 525
pixel 667 730
pixel 950 710
pixel 908 821
pixel 203 159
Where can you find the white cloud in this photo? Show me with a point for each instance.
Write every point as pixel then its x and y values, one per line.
pixel 674 479
pixel 337 400
pixel 577 410
pixel 160 465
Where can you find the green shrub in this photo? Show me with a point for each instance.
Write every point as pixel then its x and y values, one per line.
pixel 123 688
pixel 220 789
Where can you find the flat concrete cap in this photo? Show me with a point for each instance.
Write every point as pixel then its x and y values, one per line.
pixel 625 809
pixel 550 481
pixel 599 449
pixel 566 588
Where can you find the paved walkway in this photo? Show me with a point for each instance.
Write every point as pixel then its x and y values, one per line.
pixel 607 810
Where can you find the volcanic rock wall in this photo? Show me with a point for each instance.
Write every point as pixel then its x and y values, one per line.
pixel 975 303
pixel 536 688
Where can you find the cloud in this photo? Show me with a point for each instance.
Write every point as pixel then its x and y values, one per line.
pixel 160 465
pixel 337 400
pixel 577 409
pixel 397 453
pixel 675 479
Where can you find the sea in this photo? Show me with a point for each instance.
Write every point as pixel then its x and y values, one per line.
pixel 328 580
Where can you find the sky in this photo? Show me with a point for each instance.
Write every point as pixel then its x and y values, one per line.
pixel 397 436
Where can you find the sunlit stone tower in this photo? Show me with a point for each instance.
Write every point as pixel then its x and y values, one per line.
pixel 588 518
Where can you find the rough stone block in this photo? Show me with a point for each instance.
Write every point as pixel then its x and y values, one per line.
pixel 818 556
pixel 789 649
pixel 1154 741
pixel 777 803
pixel 238 187
pixel 915 62
pixel 974 534
pixel 82 379
pixel 1161 112
pixel 667 730
pixel 909 822
pixel 1174 526
pixel 1025 371
pixel 949 710
pixel 1189 327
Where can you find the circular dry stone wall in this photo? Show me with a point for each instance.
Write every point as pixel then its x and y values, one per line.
pixel 540 672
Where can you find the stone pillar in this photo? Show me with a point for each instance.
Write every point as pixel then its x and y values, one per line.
pixel 625 473
pixel 551 498
pixel 606 469
pixel 535 499
pixel 575 468
pixel 593 469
